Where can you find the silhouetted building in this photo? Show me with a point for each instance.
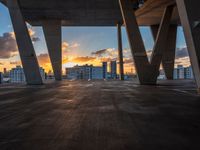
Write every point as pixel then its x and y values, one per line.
pixel 4 70
pixel 1 77
pixel 84 72
pixel 113 69
pixel 104 65
pixel 5 73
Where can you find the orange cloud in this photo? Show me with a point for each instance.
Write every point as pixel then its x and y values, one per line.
pixel 44 61
pixel 83 59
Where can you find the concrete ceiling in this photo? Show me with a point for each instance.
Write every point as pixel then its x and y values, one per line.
pixel 91 12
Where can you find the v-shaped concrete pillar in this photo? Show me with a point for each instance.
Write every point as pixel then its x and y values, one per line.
pixel 25 46
pixel 189 13
pixel 52 32
pixel 168 57
pixel 147 71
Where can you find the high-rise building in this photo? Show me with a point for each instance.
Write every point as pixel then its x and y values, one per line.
pixel 113 69
pixel 5 73
pixel 188 73
pixel 179 72
pixel 1 77
pixel 104 65
pixel 17 74
pixel 183 72
pixel 4 70
pixel 84 72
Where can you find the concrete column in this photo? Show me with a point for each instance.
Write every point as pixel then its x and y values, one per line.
pixel 120 51
pixel 138 50
pixel 189 13
pixel 52 32
pixel 25 46
pixel 161 39
pixel 147 71
pixel 168 57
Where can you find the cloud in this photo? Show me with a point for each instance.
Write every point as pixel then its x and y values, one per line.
pixel 43 58
pixel 99 53
pixel 106 52
pixel 83 59
pixel 106 55
pixel 35 39
pixel 185 61
pixel 181 52
pixel 66 47
pixel 106 59
pixel 128 61
pixel 74 45
pixel 8 46
pixel 15 63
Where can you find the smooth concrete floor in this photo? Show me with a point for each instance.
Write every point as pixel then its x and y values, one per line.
pixel 100 115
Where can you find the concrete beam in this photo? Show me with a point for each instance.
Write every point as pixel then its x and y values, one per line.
pixel 168 57
pixel 189 13
pixel 147 71
pixel 120 51
pixel 52 32
pixel 25 46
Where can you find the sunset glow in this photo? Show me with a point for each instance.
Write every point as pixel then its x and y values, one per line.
pixel 80 45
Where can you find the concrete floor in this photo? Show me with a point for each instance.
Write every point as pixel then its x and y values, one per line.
pixel 100 115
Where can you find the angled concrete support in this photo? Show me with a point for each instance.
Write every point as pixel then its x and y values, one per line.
pixel 134 36
pixel 25 46
pixel 52 32
pixel 161 39
pixel 168 57
pixel 189 13
pixel 120 51
pixel 147 71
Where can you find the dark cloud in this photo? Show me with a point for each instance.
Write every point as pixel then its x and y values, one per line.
pixel 99 53
pixel 35 39
pixel 181 52
pixel 8 46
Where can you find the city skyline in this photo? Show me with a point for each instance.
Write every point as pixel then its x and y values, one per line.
pixel 80 45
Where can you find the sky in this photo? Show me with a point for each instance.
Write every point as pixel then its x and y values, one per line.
pixel 80 45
